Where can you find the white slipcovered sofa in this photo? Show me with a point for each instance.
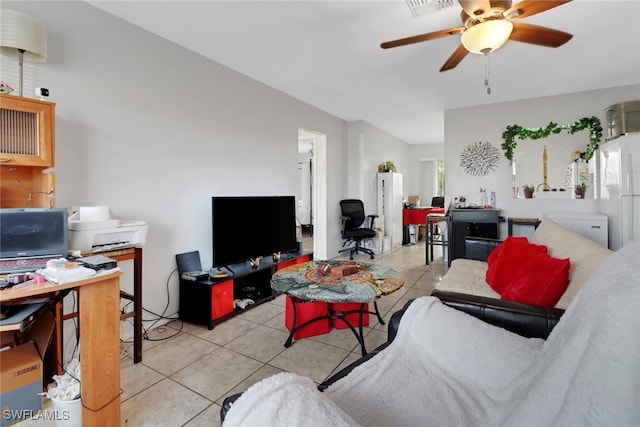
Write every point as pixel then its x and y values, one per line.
pixel 446 368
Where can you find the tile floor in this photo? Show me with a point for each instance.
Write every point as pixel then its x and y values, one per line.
pixel 188 370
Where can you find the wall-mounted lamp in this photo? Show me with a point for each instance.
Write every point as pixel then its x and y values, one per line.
pixel 23 36
pixel 486 36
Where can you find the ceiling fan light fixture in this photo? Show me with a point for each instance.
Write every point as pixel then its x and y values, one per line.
pixel 487 36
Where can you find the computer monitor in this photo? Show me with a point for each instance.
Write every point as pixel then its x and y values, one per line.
pixel 33 232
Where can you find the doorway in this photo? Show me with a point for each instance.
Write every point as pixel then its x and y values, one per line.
pixel 306 143
pixel 311 195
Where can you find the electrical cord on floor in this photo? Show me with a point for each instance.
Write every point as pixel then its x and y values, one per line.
pixel 161 329
pixel 75 324
pixel 123 309
pixel 163 316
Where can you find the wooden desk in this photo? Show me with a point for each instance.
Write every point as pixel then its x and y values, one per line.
pixel 99 313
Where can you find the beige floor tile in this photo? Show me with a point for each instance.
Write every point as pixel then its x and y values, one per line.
pixel 159 335
pixel 277 322
pixel 374 338
pixel 135 377
pixel 226 331
pixel 310 358
pixel 416 293
pixel 203 372
pixel 262 313
pixel 280 300
pixel 166 403
pixel 341 338
pixel 210 417
pixel 411 276
pixel 261 343
pixel 386 302
pixel 426 282
pixel 179 325
pixel 176 353
pixel 351 357
pixel 260 374
pixel 215 374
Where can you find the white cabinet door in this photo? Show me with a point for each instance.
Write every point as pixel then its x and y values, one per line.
pixel 390 196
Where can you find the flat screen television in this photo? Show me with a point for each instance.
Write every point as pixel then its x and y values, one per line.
pixel 252 226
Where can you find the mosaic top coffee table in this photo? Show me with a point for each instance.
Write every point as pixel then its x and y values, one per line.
pixel 336 282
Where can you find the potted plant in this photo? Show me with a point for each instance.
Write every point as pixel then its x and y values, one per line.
pixel 528 190
pixel 580 189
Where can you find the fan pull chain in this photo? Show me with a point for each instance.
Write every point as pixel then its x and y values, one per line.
pixel 486 73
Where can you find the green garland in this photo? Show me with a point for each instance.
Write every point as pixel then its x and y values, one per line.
pixel 513 131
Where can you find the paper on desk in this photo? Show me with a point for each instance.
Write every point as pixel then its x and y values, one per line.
pixel 66 275
pixel 94 213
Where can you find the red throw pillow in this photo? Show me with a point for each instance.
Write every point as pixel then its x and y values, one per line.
pixel 493 261
pixel 503 261
pixel 541 280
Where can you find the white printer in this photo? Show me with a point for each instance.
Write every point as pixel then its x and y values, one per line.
pixel 92 230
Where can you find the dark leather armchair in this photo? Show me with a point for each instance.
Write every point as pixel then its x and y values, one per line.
pixel 356 226
pixel 522 319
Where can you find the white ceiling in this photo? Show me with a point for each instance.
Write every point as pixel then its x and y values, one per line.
pixel 327 53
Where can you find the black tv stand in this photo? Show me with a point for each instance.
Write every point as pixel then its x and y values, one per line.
pixel 210 300
pixel 289 255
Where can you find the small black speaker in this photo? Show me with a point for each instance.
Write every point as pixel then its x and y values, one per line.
pixel 189 261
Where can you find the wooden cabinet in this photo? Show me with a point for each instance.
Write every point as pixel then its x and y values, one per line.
pixel 27 152
pixel 27 135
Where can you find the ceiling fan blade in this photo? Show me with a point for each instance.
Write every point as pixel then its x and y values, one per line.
pixel 475 7
pixel 528 8
pixel 536 34
pixel 455 58
pixel 422 38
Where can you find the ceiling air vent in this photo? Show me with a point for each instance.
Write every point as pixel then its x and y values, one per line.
pixel 426 7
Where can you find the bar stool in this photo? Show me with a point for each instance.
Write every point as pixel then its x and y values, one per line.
pixel 432 221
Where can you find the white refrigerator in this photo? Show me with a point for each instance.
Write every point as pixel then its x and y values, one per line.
pixel 620 188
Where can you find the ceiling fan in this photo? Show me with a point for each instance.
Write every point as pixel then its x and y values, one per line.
pixel 488 24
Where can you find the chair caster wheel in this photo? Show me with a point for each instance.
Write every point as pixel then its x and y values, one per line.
pixel 351 257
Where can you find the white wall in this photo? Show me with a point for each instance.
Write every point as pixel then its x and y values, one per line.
pixel 153 131
pixel 368 147
pixel 486 123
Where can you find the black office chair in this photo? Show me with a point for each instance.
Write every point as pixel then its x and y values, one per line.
pixel 356 226
pixel 437 202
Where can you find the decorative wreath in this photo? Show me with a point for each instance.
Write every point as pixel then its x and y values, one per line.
pixel 480 158
pixel 591 123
